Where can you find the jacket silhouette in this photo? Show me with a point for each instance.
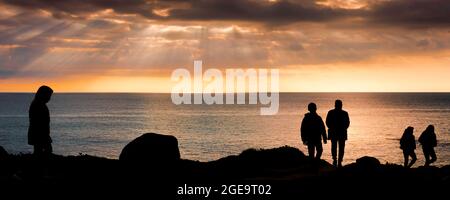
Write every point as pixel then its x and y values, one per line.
pixel 39 119
pixel 428 141
pixel 408 145
pixel 337 122
pixel 312 131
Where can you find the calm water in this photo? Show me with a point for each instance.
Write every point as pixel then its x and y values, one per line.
pixel 102 124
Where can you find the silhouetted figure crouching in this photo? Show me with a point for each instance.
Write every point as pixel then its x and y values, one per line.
pixel 312 131
pixel 338 123
pixel 428 142
pixel 408 145
pixel 39 129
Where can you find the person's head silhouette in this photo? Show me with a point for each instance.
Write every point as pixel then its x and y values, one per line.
pixel 338 104
pixel 312 107
pixel 43 94
pixel 409 130
pixel 430 128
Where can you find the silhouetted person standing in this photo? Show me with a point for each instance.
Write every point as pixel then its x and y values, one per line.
pixel 428 142
pixel 408 145
pixel 312 131
pixel 39 116
pixel 338 123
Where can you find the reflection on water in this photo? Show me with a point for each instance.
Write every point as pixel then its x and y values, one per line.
pixel 101 124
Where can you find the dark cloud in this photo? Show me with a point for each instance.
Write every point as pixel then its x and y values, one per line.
pixel 29 47
pixel 80 9
pixel 416 13
pixel 201 10
pixel 24 19
pixel 4 73
pixel 53 37
pixel 395 12
pixel 422 43
pixel 259 11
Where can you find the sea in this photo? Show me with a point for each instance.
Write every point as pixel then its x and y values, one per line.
pixel 101 124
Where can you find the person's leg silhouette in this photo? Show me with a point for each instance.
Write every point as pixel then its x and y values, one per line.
pixel 334 152
pixel 413 159
pixel 432 155
pixel 426 154
pixel 38 149
pixel 341 152
pixel 319 149
pixel 406 158
pixel 48 149
pixel 311 149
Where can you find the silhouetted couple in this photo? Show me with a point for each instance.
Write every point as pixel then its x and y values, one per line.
pixel 39 129
pixel 428 141
pixel 313 132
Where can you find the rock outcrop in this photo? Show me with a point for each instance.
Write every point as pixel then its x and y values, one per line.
pixel 151 148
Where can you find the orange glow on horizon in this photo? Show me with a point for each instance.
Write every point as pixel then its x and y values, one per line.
pixel 418 73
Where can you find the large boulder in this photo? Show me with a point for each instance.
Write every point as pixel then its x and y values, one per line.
pixel 151 148
pixel 368 162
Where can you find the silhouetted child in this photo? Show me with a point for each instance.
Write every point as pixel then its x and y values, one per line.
pixel 39 116
pixel 428 141
pixel 408 145
pixel 312 131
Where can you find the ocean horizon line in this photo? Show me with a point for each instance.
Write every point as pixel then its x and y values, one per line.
pixel 320 92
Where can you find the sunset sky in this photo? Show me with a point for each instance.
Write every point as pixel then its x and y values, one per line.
pixel 134 45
